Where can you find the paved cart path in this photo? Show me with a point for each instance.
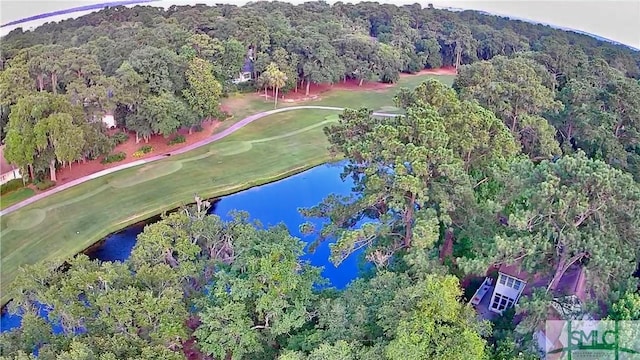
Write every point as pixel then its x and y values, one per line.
pixel 215 137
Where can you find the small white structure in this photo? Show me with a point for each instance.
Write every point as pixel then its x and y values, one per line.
pixel 247 69
pixel 8 172
pixel 242 77
pixel 508 289
pixel 109 121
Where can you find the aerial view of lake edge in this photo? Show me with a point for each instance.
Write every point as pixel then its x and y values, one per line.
pixel 359 160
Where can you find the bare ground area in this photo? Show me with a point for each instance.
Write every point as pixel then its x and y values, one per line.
pixel 449 70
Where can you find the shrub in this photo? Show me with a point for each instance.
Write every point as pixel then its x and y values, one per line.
pixel 119 138
pixel 11 185
pixel 179 139
pixel 146 149
pixel 245 87
pixel 119 156
pixel 198 128
pixel 138 154
pixel 45 184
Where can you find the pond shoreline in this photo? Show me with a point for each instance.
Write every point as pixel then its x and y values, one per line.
pixel 156 214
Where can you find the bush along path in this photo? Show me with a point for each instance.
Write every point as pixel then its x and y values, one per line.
pixel 230 130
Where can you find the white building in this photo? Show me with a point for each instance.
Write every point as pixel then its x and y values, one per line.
pixel 247 69
pixel 8 172
pixel 509 286
pixel 109 121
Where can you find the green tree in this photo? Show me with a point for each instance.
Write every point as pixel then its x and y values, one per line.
pixel 15 82
pixel 359 53
pixel 122 314
pixel 132 87
pixel 264 81
pixel 626 308
pixel 79 63
pixel 266 291
pixel 50 62
pixel 37 65
pixel 163 113
pixel 96 99
pixel 518 90
pixel 97 142
pixel 476 136
pixel 389 63
pixel 203 91
pixel 276 79
pixel 404 176
pixel 319 61
pixel 574 211
pixel 159 67
pixel 602 116
pixel 41 126
pixel 439 327
pixel 288 63
pixel 60 133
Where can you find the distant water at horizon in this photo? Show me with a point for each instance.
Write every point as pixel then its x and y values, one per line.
pixel 64 14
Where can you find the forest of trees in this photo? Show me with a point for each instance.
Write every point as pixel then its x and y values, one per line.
pixel 533 156
pixel 162 70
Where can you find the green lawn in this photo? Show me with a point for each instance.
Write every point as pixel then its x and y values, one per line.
pixel 271 148
pixel 15 197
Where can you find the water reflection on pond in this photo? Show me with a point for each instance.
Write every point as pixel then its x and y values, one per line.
pixel 271 204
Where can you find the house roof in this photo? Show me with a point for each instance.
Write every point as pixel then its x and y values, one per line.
pixel 514 270
pixel 5 167
pixel 248 65
pixel 573 282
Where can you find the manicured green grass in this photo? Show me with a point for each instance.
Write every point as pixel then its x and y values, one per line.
pixel 271 148
pixel 15 197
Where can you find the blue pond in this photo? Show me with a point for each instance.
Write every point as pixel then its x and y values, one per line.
pixel 271 204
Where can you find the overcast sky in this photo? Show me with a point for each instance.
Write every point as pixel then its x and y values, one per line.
pixel 617 20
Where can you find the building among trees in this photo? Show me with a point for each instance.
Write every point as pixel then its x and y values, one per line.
pixel 510 283
pixel 8 172
pixel 246 73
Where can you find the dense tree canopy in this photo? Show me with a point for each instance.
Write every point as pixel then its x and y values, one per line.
pixel 519 91
pixel 411 172
pixel 111 60
pixel 261 301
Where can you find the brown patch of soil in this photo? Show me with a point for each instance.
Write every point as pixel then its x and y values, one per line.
pixel 191 351
pixel 159 144
pixel 190 347
pixel 315 90
pixel 235 102
pixel 447 70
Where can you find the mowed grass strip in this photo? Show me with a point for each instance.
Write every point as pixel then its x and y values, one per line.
pixel 15 197
pixel 74 221
pixel 76 218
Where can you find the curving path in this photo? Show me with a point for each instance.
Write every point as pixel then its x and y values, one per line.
pixel 226 132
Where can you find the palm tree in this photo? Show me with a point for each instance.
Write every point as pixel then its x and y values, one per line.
pixel 277 79
pixel 264 81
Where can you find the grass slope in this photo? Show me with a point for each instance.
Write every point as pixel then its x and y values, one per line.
pixel 15 197
pixel 269 149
